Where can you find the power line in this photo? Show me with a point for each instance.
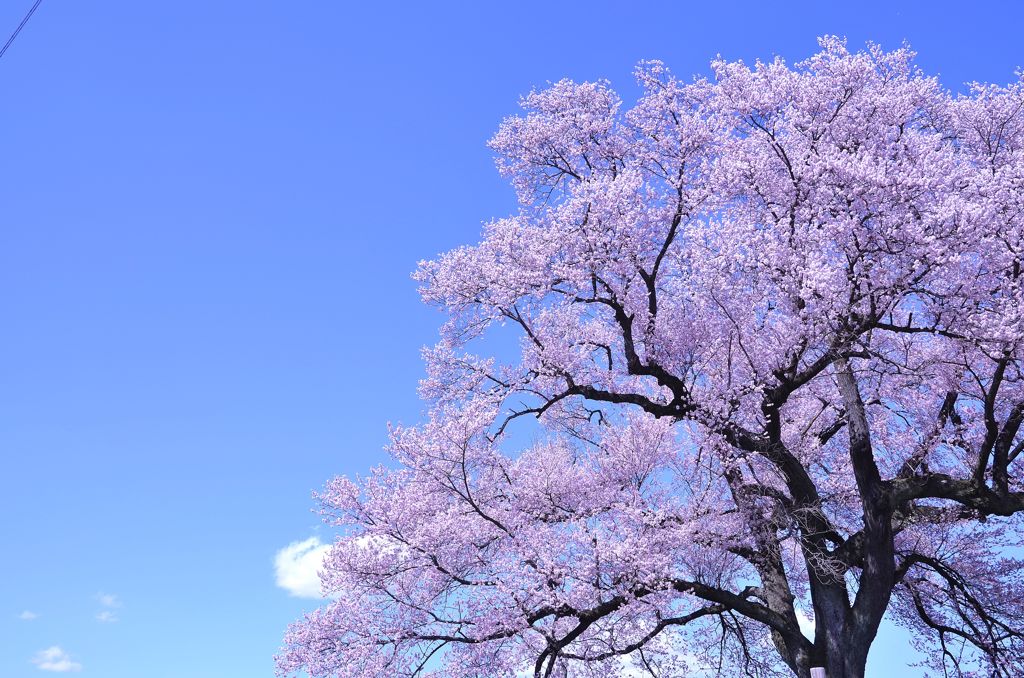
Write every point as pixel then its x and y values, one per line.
pixel 20 26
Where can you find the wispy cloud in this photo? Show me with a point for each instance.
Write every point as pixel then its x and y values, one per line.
pixel 297 566
pixel 110 602
pixel 55 659
pixel 28 615
pixel 108 599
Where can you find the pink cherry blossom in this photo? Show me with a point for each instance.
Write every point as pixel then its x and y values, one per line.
pixel 771 345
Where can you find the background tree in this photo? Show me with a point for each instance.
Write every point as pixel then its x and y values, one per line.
pixel 772 333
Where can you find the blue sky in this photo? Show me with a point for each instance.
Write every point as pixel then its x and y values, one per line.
pixel 210 213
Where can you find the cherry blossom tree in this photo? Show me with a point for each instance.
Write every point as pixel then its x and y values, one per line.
pixel 771 343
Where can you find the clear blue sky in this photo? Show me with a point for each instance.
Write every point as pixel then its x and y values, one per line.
pixel 209 215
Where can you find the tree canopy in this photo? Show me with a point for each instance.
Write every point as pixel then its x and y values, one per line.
pixel 771 331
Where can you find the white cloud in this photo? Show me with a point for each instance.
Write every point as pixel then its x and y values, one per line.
pixel 806 622
pixel 56 660
pixel 106 616
pixel 297 566
pixel 28 615
pixel 108 599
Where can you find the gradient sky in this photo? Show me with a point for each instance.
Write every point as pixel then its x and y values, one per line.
pixel 210 211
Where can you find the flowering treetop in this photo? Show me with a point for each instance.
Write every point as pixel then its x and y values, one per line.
pixel 771 330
